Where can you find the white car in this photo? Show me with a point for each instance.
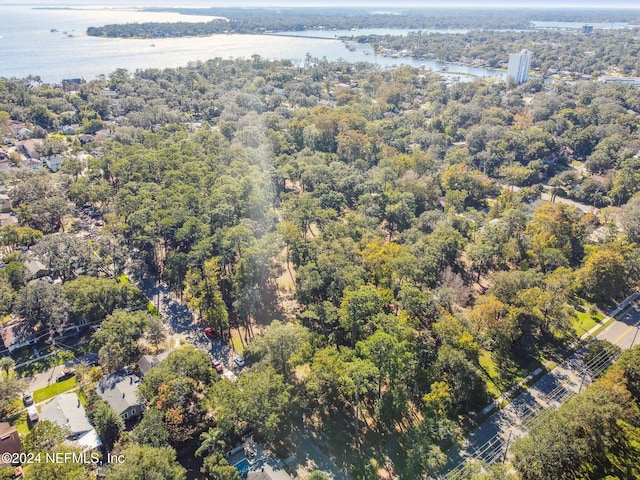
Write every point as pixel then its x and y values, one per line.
pixel 240 361
pixel 32 413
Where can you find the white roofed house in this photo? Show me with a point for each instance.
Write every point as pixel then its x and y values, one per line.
pixel 120 391
pixel 53 162
pixel 67 411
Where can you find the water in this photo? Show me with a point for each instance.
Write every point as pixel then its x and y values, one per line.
pixel 579 25
pixel 29 47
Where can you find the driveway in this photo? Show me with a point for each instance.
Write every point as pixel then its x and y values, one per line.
pixel 180 321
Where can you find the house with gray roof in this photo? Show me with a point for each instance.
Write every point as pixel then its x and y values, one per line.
pixel 120 391
pixel 54 162
pixel 147 362
pixel 36 268
pixel 67 411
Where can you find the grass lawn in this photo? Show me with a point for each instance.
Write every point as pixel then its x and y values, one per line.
pixel 236 343
pixel 21 423
pixel 54 389
pixel 490 370
pixel 585 320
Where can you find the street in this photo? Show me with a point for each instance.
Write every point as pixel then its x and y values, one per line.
pixel 490 441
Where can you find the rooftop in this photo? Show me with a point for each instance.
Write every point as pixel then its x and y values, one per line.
pixel 120 391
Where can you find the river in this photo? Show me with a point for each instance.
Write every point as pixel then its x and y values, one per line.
pixel 52 43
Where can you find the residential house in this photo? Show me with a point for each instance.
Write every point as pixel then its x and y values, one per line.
pixel 24 133
pixel 268 472
pixel 29 148
pixel 120 391
pixel 86 138
pixel 9 442
pixel 54 162
pixel 17 335
pixel 5 203
pixel 32 164
pixel 67 411
pixel 147 362
pixel 36 268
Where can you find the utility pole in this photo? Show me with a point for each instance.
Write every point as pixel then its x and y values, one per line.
pixel 634 337
pixel 506 448
pixel 584 374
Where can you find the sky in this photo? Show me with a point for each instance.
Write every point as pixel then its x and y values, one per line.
pixel 580 4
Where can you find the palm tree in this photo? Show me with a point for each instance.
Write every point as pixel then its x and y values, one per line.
pixel 7 363
pixel 210 441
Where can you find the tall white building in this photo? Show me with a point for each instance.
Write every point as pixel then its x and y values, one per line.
pixel 519 64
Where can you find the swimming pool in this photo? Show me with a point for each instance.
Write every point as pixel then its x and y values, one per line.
pixel 242 466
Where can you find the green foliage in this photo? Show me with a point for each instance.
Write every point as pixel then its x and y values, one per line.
pixel 140 460
pixel 282 345
pixel 44 436
pixel 94 298
pixel 43 306
pixel 54 389
pixel 259 401
pixel 118 339
pixel 109 425
pixel 151 430
pixel 593 435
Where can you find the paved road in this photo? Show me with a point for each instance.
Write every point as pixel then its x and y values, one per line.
pixel 491 439
pixel 43 379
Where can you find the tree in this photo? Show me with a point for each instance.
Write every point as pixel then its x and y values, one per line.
pixel 16 274
pixel 258 401
pixel 357 308
pixel 279 346
pixel 66 256
pixel 604 276
pixel 210 441
pixel 44 470
pixel 465 383
pixel 155 332
pixel 118 339
pixel 593 435
pixel 10 389
pixel 93 299
pixel 387 352
pixel 141 460
pixel 6 364
pixel 204 296
pixel 45 436
pixel 318 475
pixel 43 306
pixel 108 423
pixel 216 466
pixel 151 430
pixel 630 218
pixel 7 296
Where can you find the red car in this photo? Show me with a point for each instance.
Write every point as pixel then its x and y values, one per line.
pixel 218 366
pixel 211 333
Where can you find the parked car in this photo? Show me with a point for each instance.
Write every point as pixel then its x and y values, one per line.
pixel 66 374
pixel 32 414
pixel 217 366
pixel 27 398
pixel 240 361
pixel 211 333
